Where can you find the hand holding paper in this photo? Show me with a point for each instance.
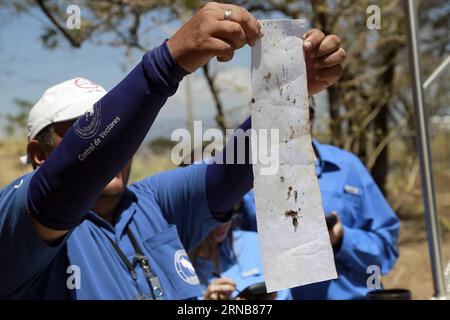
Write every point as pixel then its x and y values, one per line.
pixel 323 58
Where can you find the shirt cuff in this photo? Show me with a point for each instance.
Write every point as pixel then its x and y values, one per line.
pixel 345 252
pixel 161 70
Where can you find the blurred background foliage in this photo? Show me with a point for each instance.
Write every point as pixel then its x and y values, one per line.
pixel 368 112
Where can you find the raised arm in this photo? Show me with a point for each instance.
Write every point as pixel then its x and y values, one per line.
pixel 61 192
pixel 64 188
pixel 66 185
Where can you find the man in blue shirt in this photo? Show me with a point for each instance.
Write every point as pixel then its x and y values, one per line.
pixel 73 229
pixel 366 230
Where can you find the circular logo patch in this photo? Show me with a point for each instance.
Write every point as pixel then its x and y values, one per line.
pixel 88 124
pixel 184 268
pixel 85 84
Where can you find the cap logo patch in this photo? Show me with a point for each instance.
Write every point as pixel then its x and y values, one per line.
pixel 85 84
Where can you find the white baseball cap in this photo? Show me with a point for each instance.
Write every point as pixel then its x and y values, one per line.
pixel 65 101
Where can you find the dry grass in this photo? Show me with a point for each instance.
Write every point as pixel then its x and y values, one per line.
pixel 413 268
pixel 10 166
pixel 145 163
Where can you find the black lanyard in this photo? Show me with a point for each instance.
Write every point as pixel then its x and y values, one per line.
pixel 141 259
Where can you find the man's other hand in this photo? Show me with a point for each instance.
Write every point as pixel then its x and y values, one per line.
pixel 324 59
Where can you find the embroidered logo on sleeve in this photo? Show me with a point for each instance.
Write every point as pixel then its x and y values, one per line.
pixel 184 268
pixel 88 125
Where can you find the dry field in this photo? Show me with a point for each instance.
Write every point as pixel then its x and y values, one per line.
pixel 412 270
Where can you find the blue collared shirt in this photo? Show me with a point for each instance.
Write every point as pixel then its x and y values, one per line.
pixel 167 213
pixel 239 261
pixel 370 226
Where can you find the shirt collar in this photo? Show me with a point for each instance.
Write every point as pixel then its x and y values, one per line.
pixel 326 161
pixel 124 212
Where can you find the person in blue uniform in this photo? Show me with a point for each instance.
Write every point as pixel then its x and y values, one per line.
pixel 228 261
pixel 74 229
pixel 366 229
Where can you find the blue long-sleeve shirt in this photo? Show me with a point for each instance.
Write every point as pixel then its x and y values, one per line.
pixel 370 226
pixel 166 213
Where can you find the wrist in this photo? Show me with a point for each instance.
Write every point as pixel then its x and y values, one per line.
pixel 162 71
pixel 174 51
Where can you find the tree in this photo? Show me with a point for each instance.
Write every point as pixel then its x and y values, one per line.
pixel 17 122
pixel 369 107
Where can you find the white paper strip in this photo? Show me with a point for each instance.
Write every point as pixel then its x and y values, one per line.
pixel 294 242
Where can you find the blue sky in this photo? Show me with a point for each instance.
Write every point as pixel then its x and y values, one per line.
pixel 28 68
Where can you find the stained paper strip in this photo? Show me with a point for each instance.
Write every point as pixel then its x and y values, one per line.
pixel 294 242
